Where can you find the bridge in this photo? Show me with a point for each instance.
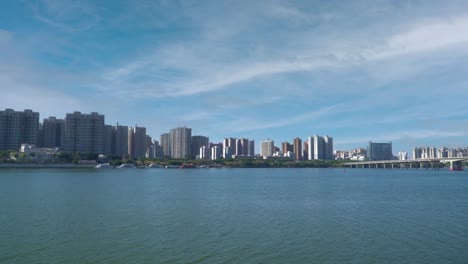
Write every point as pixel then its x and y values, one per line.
pixel 435 163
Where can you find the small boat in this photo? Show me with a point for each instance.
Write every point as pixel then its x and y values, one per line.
pixel 154 166
pixel 126 166
pixel 172 166
pixel 104 166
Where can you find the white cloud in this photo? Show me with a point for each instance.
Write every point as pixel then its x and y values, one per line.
pixel 201 69
pixel 436 35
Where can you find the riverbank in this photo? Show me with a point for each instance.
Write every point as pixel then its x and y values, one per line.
pixel 15 165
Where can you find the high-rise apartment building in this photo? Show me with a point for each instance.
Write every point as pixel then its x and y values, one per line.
pixel 108 135
pixel 297 149
pixel 18 127
pixel 137 142
pixel 238 147
pixel 165 140
pixel 379 151
pixel 305 150
pixel 251 148
pixel 121 140
pixel 181 138
pixel 84 133
pixel 197 143
pixel 320 148
pixel 328 148
pixel 216 152
pixel 53 132
pixel 267 148
pixel 285 147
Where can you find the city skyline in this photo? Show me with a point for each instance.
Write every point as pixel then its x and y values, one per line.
pixel 359 71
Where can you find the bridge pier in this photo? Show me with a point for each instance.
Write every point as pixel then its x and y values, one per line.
pixel 456 165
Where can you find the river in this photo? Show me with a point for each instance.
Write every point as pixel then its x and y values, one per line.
pixel 233 216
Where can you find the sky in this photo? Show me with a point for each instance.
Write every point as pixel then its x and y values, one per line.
pixel 354 70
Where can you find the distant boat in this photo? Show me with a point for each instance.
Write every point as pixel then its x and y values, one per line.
pixel 154 166
pixel 126 166
pixel 104 166
pixel 172 166
pixel 187 166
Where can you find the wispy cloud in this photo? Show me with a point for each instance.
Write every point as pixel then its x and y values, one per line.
pixel 435 35
pixel 209 72
pixel 70 16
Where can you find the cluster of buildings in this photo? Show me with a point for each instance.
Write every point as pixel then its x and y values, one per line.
pixel 88 133
pixel 358 154
pixel 314 148
pixel 444 152
pixel 374 151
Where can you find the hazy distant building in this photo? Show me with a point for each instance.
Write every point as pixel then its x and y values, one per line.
pixel 181 138
pixel 53 132
pixel 402 155
pixel 379 151
pixel 18 127
pixel 267 148
pixel 84 133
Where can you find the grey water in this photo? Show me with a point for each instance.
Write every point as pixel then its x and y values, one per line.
pixel 233 216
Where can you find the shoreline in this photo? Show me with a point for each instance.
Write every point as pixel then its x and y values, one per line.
pixel 45 166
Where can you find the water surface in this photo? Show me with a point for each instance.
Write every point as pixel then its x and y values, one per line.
pixel 233 216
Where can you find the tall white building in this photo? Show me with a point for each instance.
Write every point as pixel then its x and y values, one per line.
pixel 215 152
pixel 320 148
pixel 267 148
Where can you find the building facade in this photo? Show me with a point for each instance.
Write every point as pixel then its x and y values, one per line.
pixel 53 132
pixel 165 141
pixel 181 138
pixel 297 149
pixel 267 148
pixel 137 144
pixel 197 143
pixel 320 148
pixel 84 133
pixel 121 141
pixel 18 127
pixel 379 151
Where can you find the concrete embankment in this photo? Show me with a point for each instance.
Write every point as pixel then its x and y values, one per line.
pixel 45 165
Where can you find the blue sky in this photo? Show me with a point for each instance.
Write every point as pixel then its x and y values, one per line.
pixel 355 70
